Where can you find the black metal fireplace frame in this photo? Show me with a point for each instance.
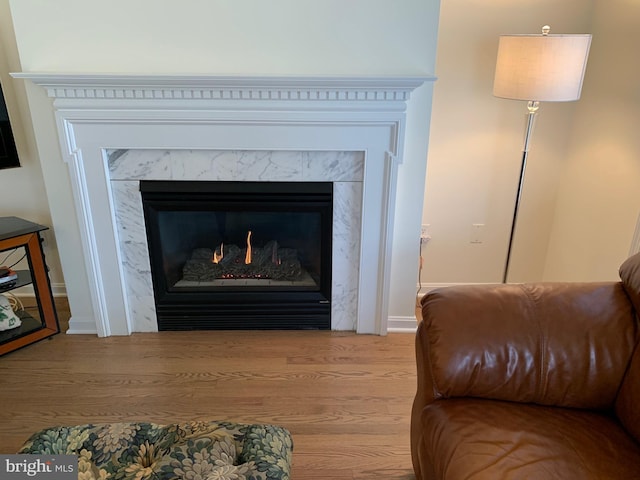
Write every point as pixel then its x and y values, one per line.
pixel 246 308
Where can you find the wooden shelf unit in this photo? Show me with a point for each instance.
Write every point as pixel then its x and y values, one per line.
pixel 18 233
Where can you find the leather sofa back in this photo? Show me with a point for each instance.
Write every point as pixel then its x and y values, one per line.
pixel 628 402
pixel 561 344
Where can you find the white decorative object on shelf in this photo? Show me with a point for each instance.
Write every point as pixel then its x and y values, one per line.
pixel 8 318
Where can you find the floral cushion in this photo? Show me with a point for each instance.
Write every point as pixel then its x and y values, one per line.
pixel 193 451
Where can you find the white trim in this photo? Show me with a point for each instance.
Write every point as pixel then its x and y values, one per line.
pixel 427 287
pixel 243 88
pixel 82 326
pixel 402 324
pixel 57 289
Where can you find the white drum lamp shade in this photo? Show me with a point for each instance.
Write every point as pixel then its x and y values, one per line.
pixel 541 68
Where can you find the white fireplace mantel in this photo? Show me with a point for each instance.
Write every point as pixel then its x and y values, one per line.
pixel 99 113
pixel 386 92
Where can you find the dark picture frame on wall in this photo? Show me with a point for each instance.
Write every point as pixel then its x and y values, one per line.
pixel 8 153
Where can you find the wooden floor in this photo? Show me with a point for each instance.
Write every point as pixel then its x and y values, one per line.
pixel 345 398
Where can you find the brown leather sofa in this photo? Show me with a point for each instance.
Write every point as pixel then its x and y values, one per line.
pixel 532 381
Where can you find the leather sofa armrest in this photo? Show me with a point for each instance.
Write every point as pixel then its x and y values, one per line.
pixel 426 393
pixel 630 276
pixel 564 344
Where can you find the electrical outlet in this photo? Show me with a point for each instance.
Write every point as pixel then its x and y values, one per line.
pixel 424 233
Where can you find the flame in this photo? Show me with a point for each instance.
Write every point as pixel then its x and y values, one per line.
pixel 218 256
pixel 247 257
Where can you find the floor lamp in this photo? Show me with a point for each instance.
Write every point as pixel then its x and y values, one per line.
pixel 538 68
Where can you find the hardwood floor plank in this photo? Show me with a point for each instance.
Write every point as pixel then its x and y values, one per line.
pixel 345 398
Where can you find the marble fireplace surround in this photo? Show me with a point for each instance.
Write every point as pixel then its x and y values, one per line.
pixel 348 130
pixel 343 169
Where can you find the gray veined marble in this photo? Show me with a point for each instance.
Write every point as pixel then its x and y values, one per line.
pixel 344 169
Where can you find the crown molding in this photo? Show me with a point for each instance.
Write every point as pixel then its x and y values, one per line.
pixel 215 87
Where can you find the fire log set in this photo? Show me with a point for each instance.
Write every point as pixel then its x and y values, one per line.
pixel 251 262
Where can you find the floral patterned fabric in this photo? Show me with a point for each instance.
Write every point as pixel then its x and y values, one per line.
pixel 190 451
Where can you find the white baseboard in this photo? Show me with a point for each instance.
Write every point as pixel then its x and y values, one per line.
pixel 427 287
pixel 58 290
pixel 402 324
pixel 82 326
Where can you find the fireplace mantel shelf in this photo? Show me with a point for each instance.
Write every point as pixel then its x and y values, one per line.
pixel 223 87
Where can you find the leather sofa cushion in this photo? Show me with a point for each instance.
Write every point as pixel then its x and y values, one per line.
pixel 474 439
pixel 530 343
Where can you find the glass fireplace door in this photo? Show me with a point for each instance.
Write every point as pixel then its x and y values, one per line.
pixel 239 255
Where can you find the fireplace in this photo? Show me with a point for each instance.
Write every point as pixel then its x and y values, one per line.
pixel 118 130
pixel 239 255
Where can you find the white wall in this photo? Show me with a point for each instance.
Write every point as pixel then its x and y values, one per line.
pixel 227 36
pixel 476 144
pixel 281 37
pixel 599 203
pixel 22 189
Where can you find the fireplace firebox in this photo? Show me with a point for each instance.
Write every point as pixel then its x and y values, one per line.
pixel 239 255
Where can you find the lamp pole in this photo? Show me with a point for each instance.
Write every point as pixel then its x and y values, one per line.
pixel 532 107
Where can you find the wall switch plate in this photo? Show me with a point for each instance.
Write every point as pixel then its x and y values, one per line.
pixel 477 233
